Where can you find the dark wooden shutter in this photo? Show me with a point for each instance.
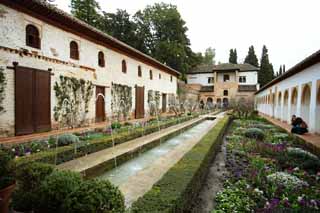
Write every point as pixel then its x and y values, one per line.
pixel 100 104
pixel 139 113
pixel 164 103
pixel 42 102
pixel 24 101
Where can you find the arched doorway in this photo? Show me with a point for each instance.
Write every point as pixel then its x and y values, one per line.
pixel 305 103
pixel 219 102
pixel 285 106
pixel 278 109
pixel 225 102
pixel 201 105
pixel 318 111
pixel 210 102
pixel 294 102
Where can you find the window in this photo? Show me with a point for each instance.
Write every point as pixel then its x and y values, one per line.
pixel 159 76
pixel 210 80
pixel 124 66
pixel 101 59
pixel 226 78
pixel 225 92
pixel 139 71
pixel 150 74
pixel 33 37
pixel 171 79
pixel 74 50
pixel 242 79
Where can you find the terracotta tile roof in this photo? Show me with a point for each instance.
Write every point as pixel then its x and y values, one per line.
pixel 223 67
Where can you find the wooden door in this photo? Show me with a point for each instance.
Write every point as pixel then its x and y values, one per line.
pixel 32 100
pixel 24 101
pixel 164 102
pixel 139 113
pixel 100 104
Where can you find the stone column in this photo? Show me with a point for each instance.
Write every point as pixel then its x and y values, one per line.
pixel 313 107
pixel 289 106
pixel 298 113
pixel 281 106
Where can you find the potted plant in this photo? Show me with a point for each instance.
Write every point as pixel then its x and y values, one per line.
pixel 7 182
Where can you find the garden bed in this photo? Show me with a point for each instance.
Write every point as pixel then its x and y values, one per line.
pixel 270 171
pixel 93 142
pixel 176 190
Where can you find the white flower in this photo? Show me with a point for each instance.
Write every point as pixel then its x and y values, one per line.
pixel 286 180
pixel 258 191
pixel 296 169
pixel 300 198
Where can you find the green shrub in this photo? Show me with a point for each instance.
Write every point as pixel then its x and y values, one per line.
pixel 176 190
pixel 280 137
pixel 234 198
pixel 234 138
pixel 254 133
pixel 28 179
pixel 6 171
pixel 262 126
pixel 116 125
pixel 54 189
pixel 67 139
pixel 95 196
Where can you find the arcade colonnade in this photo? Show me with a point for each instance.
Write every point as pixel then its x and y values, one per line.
pixel 296 93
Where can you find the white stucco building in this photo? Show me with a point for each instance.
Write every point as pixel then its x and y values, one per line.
pixel 296 92
pixel 40 44
pixel 218 84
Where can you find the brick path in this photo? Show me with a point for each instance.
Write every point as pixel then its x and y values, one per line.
pixel 309 138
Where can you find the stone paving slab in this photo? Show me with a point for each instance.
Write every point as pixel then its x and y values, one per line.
pixel 142 181
pixel 97 158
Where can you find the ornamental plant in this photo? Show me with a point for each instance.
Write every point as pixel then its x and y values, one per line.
pixel 254 133
pixel 300 153
pixel 6 170
pixel 28 179
pixel 95 196
pixel 67 139
pixel 287 181
pixel 54 189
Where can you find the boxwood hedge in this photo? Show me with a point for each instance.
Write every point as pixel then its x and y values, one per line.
pixel 67 153
pixel 176 190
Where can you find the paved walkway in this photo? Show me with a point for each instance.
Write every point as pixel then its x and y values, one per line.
pixel 97 158
pixel 309 138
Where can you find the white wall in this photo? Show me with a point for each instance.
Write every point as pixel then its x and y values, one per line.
pixel 310 76
pixel 55 44
pixel 199 78
pixel 251 78
pixel 232 76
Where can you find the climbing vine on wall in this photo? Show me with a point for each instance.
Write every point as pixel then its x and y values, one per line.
pixel 153 101
pixel 3 84
pixel 73 96
pixel 121 102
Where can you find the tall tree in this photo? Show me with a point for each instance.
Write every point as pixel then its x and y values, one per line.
pixel 163 32
pixel 283 68
pixel 209 56
pixel 280 70
pixel 251 58
pixel 233 58
pixel 87 11
pixel 266 73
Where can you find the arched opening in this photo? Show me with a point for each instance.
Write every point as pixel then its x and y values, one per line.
pixel 294 102
pixel 219 102
pixel 225 102
pixel 209 102
pixel 33 36
pixel 139 71
pixel 74 50
pixel 124 66
pixel 318 112
pixel 285 106
pixel 278 108
pixel 305 103
pixel 201 105
pixel 101 61
pixel 150 75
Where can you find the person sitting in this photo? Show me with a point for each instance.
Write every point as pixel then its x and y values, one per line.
pixel 299 126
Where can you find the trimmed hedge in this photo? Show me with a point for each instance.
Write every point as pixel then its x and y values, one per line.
pixel 178 188
pixel 67 153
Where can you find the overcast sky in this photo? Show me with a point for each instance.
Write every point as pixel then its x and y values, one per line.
pixel 289 28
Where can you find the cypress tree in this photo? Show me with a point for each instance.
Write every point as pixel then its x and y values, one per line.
pixel 251 58
pixel 233 56
pixel 266 73
pixel 280 70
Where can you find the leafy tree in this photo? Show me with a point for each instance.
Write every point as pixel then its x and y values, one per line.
pixel 251 58
pixel 266 73
pixel 209 56
pixel 233 56
pixel 87 11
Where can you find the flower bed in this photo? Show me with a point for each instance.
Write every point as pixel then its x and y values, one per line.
pixel 277 173
pixel 96 143
pixel 176 190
